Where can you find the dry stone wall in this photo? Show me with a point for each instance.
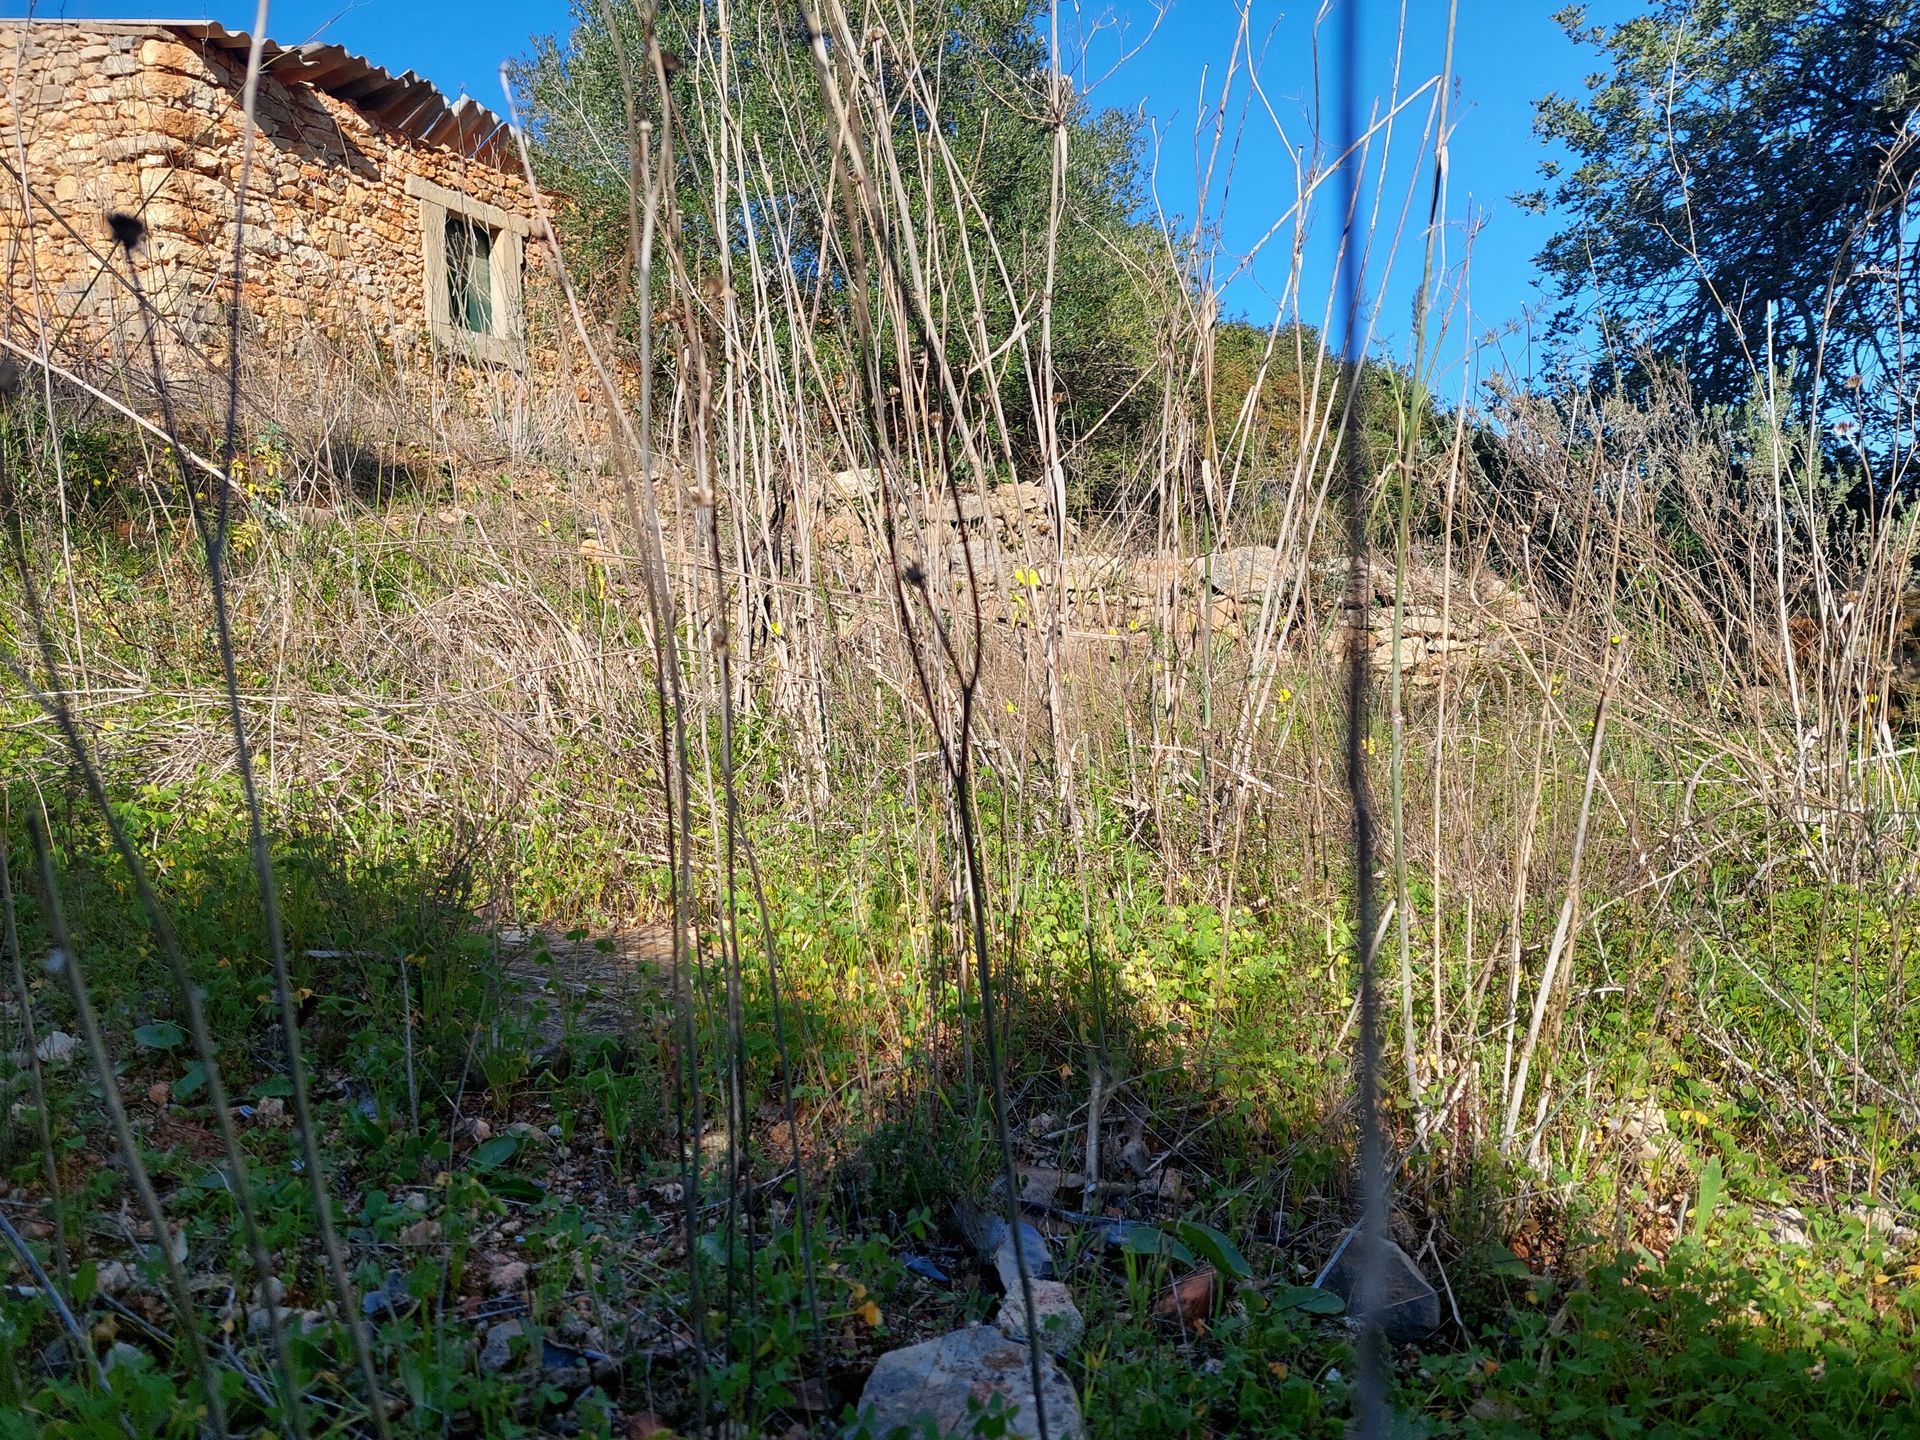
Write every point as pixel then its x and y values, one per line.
pixel 1444 616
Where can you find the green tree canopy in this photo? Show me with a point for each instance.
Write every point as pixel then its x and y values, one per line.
pixel 1740 158
pixel 985 63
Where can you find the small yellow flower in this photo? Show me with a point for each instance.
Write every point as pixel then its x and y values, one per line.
pixel 1278 1369
pixel 1012 709
pixel 1619 639
pixel 1286 695
pixel 870 1313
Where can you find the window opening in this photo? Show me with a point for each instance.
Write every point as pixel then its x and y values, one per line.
pixel 470 273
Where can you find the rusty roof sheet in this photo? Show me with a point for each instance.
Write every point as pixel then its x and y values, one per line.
pixel 409 104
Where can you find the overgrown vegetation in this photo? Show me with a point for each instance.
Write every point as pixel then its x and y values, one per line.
pixel 695 881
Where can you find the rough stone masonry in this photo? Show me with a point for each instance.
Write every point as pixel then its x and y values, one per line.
pixel 360 183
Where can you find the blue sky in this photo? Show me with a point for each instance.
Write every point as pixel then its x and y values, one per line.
pixel 1507 53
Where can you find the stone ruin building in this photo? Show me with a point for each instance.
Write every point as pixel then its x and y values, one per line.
pixel 381 213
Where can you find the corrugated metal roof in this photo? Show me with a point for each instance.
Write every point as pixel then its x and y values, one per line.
pixel 406 103
pixel 409 104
